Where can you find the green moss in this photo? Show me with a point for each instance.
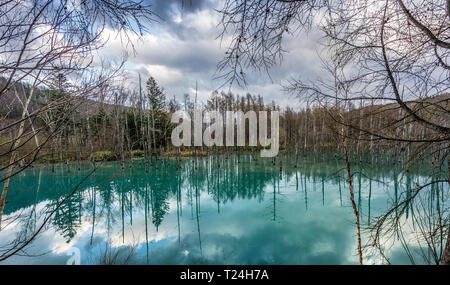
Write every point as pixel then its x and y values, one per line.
pixel 104 155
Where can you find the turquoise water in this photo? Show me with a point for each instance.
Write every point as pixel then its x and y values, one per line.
pixel 238 213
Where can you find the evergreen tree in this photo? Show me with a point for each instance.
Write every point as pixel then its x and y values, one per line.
pixel 158 115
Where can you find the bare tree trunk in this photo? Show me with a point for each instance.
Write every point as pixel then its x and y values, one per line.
pixel 127 136
pixel 12 158
pixel 60 147
pixel 355 209
pixel 77 145
pixel 149 140
pixel 90 138
pixel 122 147
pixel 154 136
pixel 53 155
pixel 350 180
pixel 66 141
pixel 36 138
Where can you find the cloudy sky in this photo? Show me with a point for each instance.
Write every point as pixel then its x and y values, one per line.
pixel 183 48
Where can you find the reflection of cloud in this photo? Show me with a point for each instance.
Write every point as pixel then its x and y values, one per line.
pixel 244 239
pixel 242 233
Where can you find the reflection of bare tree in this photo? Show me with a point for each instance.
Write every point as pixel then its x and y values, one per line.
pixel 19 244
pixel 107 201
pixel 418 219
pixel 275 198
pixel 197 213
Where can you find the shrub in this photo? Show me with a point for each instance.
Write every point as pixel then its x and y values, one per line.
pixel 104 155
pixel 137 153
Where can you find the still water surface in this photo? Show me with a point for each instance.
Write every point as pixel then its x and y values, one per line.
pixel 238 213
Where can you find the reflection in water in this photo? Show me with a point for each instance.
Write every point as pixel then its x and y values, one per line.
pixel 250 212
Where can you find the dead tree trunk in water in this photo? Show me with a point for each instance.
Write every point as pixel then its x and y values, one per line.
pixel 89 136
pixel 349 173
pixel 76 143
pixel 253 155
pixel 53 154
pixel 154 137
pixel 144 137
